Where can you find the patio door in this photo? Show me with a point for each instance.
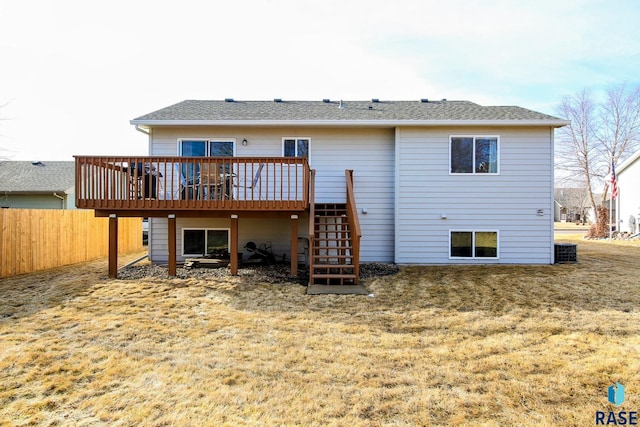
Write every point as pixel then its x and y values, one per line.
pixel 191 172
pixel 204 148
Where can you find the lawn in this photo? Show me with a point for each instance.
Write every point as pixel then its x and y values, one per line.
pixel 465 345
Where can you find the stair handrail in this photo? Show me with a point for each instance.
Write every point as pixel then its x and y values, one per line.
pixel 354 223
pixel 312 209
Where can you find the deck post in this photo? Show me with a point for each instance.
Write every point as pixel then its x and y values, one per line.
pixel 113 246
pixel 234 245
pixel 172 244
pixel 294 245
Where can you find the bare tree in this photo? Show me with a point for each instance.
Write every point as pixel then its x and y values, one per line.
pixel 600 132
pixel 576 153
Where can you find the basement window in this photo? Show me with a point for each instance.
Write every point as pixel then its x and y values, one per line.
pixel 473 244
pixel 207 241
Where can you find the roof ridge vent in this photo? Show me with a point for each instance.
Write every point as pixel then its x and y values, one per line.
pixel 326 100
pixel 375 100
pixel 277 100
pixel 228 100
pixel 424 100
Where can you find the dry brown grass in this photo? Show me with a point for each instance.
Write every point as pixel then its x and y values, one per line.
pixel 474 345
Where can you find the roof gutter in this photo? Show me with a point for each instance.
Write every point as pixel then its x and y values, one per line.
pixel 139 129
pixel 350 123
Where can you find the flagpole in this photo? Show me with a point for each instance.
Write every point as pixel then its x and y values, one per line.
pixel 611 199
pixel 613 195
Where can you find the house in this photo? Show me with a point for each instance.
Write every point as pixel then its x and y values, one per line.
pixel 628 201
pixel 572 205
pixel 37 185
pixel 408 182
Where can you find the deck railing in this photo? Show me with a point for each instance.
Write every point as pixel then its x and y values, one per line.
pixel 312 208
pixel 354 224
pixel 191 183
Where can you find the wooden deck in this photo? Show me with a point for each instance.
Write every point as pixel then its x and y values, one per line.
pixel 232 187
pixel 195 186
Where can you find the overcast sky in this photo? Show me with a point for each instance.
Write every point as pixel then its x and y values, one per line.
pixel 74 72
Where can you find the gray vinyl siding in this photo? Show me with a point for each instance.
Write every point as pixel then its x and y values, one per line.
pixel 369 152
pixel 158 240
pixel 507 202
pixel 402 179
pixel 275 232
pixel 37 201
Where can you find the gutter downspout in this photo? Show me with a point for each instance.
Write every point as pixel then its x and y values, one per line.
pixel 149 232
pixel 146 132
pixel 61 198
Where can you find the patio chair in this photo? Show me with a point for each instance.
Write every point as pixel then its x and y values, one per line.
pixel 181 189
pixel 255 180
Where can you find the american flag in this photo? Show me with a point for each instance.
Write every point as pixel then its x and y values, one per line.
pixel 614 184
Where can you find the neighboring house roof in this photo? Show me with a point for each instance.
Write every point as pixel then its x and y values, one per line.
pixel 374 112
pixel 571 197
pixel 628 162
pixel 37 177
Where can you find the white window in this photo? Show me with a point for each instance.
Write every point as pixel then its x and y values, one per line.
pixel 473 244
pixel 205 241
pixel 296 147
pixel 207 147
pixel 474 154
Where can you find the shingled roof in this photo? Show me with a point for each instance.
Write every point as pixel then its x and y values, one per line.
pixel 339 112
pixel 37 177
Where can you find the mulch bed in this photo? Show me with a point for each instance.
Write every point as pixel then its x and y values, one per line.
pixel 274 273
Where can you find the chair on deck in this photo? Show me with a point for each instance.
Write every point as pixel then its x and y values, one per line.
pixel 255 180
pixel 181 189
pixel 220 186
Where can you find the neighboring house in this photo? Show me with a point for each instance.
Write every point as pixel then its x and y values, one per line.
pixel 628 201
pixel 432 182
pixel 37 185
pixel 572 205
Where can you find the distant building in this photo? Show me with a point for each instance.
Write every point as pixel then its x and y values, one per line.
pixel 628 201
pixel 572 205
pixel 37 185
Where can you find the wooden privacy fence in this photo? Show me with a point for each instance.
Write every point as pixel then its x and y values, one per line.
pixel 38 239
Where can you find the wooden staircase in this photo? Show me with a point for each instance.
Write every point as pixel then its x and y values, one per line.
pixel 332 260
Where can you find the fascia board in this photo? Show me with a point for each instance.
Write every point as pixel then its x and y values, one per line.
pixel 628 162
pixel 351 123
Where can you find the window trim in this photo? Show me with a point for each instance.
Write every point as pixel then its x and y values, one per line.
pixel 473 159
pixel 296 138
pixel 207 142
pixel 205 229
pixel 473 243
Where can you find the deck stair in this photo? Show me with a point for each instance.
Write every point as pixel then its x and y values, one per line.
pixel 332 254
